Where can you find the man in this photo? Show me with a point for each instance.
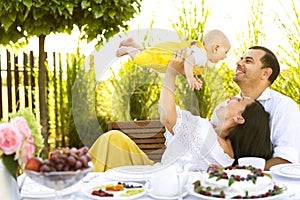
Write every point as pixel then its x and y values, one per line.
pixel 257 69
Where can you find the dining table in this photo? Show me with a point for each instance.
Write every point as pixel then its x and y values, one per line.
pixel 30 190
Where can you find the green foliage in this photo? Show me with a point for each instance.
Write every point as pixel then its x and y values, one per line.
pixel 84 126
pixel 71 99
pixel 255 30
pixel 104 90
pixel 191 20
pixel 288 81
pixel 140 100
pixel 98 19
pixel 132 93
pixel 73 69
pixel 191 26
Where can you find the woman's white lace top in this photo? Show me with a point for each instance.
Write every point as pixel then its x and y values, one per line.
pixel 194 139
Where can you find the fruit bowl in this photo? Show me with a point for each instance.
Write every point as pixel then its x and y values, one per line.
pixel 63 168
pixel 59 180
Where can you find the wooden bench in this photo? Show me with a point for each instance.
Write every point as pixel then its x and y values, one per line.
pixel 148 135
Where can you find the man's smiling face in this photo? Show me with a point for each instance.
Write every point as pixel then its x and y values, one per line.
pixel 249 67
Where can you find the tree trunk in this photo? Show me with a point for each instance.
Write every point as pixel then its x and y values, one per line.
pixel 42 79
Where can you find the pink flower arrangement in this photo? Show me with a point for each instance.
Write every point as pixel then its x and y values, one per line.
pixel 19 142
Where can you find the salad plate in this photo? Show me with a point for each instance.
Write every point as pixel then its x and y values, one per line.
pixel 131 190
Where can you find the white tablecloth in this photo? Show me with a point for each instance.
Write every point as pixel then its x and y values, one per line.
pixel 75 193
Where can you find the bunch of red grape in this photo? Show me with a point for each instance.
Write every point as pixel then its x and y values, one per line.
pixel 66 159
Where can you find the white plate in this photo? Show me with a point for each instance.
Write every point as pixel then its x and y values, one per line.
pixel 32 189
pixel 278 196
pixel 96 185
pixel 286 170
pixel 184 194
pixel 129 173
pixel 214 198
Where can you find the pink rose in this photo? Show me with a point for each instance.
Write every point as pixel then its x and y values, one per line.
pixel 27 150
pixel 22 125
pixel 10 138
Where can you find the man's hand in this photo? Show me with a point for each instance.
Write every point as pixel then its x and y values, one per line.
pixel 274 161
pixel 175 65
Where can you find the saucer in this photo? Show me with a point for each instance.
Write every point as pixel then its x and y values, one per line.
pixel 129 173
pixel 184 194
pixel 286 170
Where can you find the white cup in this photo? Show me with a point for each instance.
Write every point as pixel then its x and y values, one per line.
pixel 164 182
pixel 253 161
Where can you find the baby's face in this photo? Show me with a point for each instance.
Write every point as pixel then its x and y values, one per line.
pixel 218 51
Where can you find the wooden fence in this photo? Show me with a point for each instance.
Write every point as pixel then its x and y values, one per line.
pixel 19 88
pixel 18 80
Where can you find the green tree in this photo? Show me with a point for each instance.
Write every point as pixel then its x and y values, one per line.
pixel 96 19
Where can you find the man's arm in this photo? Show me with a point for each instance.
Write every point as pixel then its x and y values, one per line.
pixel 274 161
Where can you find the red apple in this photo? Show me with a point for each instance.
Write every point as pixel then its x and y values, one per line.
pixel 33 164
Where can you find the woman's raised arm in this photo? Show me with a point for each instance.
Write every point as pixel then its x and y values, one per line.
pixel 167 107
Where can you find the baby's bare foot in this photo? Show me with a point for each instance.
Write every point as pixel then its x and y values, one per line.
pixel 127 42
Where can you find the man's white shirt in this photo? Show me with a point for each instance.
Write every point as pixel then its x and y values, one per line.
pixel 284 124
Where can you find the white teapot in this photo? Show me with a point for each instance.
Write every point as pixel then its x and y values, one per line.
pixel 164 179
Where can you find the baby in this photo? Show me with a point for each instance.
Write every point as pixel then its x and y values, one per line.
pixel 214 48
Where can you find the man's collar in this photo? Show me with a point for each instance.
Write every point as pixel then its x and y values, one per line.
pixel 264 95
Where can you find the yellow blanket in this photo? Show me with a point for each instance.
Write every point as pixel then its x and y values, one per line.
pixel 114 149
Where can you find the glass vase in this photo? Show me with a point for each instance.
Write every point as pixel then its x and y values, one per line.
pixel 9 188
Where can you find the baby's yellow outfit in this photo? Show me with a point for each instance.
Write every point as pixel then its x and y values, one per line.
pixel 158 57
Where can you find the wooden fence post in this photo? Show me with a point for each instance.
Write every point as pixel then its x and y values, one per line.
pixel 16 86
pixel 8 82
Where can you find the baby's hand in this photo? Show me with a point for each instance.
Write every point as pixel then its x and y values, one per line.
pixel 194 83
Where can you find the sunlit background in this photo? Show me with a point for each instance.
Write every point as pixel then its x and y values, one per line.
pixel 230 16
pixel 270 23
